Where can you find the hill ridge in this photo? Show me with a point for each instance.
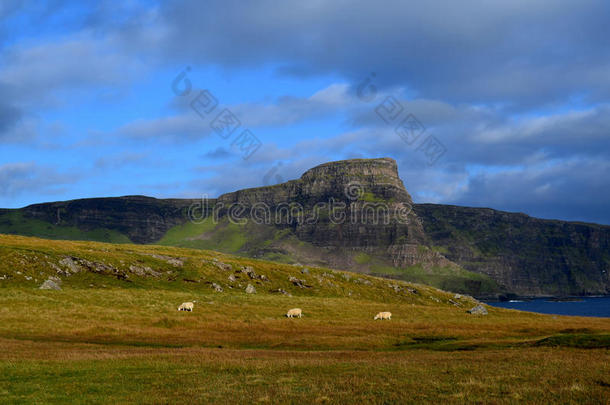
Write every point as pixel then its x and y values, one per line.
pixel 480 251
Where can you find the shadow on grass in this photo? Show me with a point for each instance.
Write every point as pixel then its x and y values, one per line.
pixel 577 340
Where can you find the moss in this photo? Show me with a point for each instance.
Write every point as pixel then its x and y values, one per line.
pixel 362 258
pixel 372 198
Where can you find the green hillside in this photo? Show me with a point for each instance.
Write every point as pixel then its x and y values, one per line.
pixel 112 334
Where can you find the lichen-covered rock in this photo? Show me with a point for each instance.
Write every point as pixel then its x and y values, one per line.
pixel 478 310
pixel 143 271
pixel 71 265
pixel 170 260
pixel 297 282
pixel 51 284
pixel 223 266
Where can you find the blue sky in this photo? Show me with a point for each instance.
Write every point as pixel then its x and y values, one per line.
pixel 510 98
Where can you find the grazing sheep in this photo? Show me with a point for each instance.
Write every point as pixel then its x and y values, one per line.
pixel 383 315
pixel 187 306
pixel 294 312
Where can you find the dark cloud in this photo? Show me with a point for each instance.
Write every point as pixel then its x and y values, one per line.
pixel 518 53
pixel 517 91
pixel 576 190
pixel 9 116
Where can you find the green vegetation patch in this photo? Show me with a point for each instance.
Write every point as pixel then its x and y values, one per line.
pixel 453 279
pixel 209 234
pixel 578 340
pixel 362 258
pixel 14 223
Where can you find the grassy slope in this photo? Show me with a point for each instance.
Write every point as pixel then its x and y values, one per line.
pixel 231 238
pixel 108 340
pixel 249 240
pixel 14 222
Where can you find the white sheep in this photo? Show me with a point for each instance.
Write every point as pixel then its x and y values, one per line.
pixel 383 315
pixel 294 312
pixel 187 306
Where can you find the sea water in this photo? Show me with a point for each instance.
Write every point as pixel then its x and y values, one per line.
pixel 586 306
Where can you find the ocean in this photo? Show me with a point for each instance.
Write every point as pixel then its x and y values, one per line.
pixel 586 306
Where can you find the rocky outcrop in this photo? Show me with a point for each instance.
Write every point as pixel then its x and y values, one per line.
pixel 478 310
pixel 51 284
pixel 141 219
pixel 408 255
pixel 360 203
pixel 353 214
pixel 526 256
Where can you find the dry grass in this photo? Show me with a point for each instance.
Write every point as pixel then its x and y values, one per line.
pixel 127 343
pixel 77 373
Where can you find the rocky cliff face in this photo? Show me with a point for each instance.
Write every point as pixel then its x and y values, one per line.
pixel 141 219
pixel 358 203
pixel 525 255
pixel 353 214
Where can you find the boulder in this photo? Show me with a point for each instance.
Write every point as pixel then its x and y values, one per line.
pixel 250 289
pixel 50 285
pixel 223 266
pixel 478 310
pixel 299 283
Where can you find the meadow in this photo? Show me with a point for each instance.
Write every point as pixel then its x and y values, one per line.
pixel 113 334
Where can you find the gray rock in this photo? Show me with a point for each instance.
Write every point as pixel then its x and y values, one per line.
pixel 217 287
pixel 299 283
pixel 70 264
pixel 305 270
pixel 250 272
pixel 280 291
pixel 223 266
pixel 478 310
pixel 395 287
pixel 250 289
pixel 455 303
pixel 143 271
pixel 231 278
pixel 170 260
pixel 50 285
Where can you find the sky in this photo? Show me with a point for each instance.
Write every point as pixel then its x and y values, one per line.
pixel 502 104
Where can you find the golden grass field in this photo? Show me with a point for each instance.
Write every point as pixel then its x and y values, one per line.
pixel 111 337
